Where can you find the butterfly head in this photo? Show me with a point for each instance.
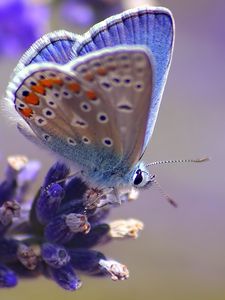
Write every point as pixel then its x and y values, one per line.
pixel 141 177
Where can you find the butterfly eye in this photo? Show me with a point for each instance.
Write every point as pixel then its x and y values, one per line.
pixel 140 178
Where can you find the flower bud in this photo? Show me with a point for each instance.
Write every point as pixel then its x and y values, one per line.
pixel 66 277
pixel 114 269
pixel 7 277
pixel 48 202
pixel 54 255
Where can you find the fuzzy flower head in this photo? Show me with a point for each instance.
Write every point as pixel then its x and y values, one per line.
pixel 84 13
pixel 53 232
pixel 21 23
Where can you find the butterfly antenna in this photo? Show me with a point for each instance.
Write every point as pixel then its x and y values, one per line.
pixel 71 175
pixel 172 161
pixel 164 194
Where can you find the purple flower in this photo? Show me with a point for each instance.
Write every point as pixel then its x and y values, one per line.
pixel 7 277
pixel 21 23
pixel 84 13
pixel 63 228
pixel 63 220
pixel 54 255
pixel 86 260
pixel 66 277
pixel 48 202
pixel 78 13
pixel 7 190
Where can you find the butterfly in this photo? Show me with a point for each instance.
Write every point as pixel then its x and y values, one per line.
pixel 94 99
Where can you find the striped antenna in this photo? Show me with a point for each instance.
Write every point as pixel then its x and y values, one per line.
pixel 172 161
pixel 164 194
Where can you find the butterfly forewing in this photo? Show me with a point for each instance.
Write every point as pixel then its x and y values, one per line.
pixel 149 26
pixel 55 47
pixel 101 99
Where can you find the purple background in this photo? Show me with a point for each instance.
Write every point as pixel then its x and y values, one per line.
pixel 181 253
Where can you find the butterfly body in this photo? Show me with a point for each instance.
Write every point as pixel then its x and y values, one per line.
pixel 98 108
pixel 99 165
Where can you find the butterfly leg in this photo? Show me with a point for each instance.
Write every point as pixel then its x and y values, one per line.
pixel 128 194
pixel 98 198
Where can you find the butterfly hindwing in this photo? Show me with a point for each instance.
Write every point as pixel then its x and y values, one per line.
pixel 100 100
pixel 123 79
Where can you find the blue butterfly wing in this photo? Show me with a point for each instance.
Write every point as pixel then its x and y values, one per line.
pixel 52 47
pixel 152 27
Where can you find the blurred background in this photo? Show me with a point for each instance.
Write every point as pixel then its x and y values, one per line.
pixel 181 252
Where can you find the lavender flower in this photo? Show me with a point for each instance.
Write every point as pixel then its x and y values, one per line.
pixel 21 23
pixel 7 277
pixel 84 13
pixel 52 233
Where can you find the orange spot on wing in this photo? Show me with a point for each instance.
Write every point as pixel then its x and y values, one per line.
pixel 26 112
pixel 38 89
pixel 46 83
pixel 31 99
pixel 102 71
pixel 91 95
pixel 57 81
pixel 89 77
pixel 49 82
pixel 74 87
